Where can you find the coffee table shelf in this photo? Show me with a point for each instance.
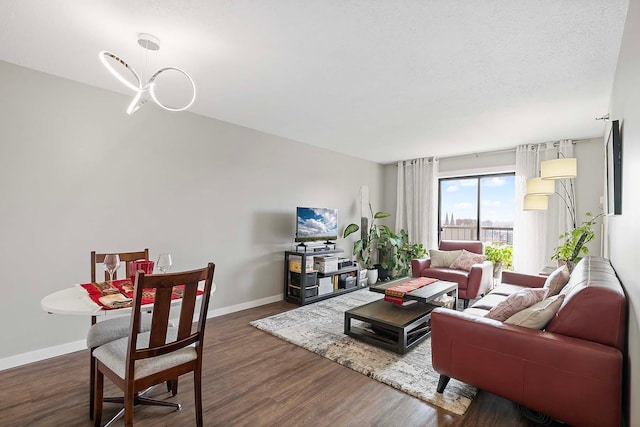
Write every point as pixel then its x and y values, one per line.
pixel 396 327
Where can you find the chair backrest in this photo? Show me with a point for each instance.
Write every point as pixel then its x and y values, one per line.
pixel 125 257
pixel 474 246
pixel 163 287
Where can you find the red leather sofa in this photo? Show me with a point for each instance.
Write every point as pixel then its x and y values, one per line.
pixel 470 283
pixel 571 371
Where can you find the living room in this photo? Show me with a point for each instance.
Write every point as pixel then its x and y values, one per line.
pixel 78 175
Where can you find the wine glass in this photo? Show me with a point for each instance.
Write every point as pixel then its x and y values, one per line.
pixel 111 264
pixel 164 263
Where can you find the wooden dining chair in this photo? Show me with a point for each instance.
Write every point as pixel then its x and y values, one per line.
pixel 144 359
pixel 113 328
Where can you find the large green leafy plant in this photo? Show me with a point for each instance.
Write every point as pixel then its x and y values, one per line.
pixel 406 252
pixel 364 247
pixel 574 246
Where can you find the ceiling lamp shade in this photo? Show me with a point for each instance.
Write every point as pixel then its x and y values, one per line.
pixel 539 186
pixel 144 90
pixel 559 168
pixel 534 202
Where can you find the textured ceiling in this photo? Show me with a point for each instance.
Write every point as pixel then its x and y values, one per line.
pixel 380 80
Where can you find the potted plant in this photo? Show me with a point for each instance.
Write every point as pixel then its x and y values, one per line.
pixel 388 246
pixel 500 256
pixel 574 246
pixel 405 252
pixel 364 247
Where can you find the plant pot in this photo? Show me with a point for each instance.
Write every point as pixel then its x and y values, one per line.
pixel 497 270
pixel 372 276
pixel 383 273
pixel 569 265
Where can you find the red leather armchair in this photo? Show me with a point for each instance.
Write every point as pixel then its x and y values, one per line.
pixel 470 283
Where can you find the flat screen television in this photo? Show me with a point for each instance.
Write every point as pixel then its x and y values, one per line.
pixel 314 224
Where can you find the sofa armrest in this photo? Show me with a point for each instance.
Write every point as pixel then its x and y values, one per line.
pixel 419 264
pixel 573 380
pixel 480 278
pixel 525 280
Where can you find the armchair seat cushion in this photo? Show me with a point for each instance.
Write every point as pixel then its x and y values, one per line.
pixel 459 276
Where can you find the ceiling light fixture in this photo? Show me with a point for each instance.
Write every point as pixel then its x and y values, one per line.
pixel 143 90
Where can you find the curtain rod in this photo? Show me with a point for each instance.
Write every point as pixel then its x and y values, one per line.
pixel 504 150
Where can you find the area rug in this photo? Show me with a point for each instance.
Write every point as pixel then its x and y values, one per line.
pixel 319 327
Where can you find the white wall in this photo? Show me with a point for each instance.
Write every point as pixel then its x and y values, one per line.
pixel 77 174
pixel 624 230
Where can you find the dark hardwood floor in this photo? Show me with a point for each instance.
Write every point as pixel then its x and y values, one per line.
pixel 250 378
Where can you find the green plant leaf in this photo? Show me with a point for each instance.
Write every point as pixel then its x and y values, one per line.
pixel 379 215
pixel 351 228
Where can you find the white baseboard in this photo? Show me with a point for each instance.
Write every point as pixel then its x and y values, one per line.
pixel 59 350
pixel 41 354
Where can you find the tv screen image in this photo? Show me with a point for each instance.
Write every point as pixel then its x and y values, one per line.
pixel 316 224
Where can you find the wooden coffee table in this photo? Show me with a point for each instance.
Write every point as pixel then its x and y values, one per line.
pixel 396 327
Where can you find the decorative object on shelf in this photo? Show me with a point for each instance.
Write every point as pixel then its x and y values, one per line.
pixel 144 90
pixel 574 246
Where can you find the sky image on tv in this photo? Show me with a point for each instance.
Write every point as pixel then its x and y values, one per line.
pixel 317 223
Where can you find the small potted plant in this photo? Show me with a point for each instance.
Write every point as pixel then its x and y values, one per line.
pixel 574 245
pixel 500 256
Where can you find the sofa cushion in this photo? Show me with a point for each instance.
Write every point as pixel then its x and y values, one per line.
pixel 538 315
pixel 443 258
pixel 466 260
pixel 557 280
pixel 516 302
pixel 489 301
pixel 506 289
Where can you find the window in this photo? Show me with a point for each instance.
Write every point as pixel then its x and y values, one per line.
pixel 477 208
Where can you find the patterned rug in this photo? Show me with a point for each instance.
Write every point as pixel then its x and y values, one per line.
pixel 319 327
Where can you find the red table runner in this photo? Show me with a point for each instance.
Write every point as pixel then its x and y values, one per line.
pixel 125 287
pixel 396 293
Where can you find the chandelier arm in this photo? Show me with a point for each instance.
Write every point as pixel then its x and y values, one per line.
pixel 152 85
pixel 103 55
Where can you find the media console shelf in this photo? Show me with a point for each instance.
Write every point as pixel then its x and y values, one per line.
pixel 300 282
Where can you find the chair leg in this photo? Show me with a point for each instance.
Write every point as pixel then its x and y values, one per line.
pixel 99 382
pixel 129 395
pixel 442 383
pixel 172 386
pixel 197 389
pixel 465 303
pixel 92 380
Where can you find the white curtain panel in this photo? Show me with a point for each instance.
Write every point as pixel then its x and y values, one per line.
pixel 535 233
pixel 417 200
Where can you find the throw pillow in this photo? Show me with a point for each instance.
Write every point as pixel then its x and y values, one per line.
pixel 466 260
pixel 538 315
pixel 443 258
pixel 516 302
pixel 556 280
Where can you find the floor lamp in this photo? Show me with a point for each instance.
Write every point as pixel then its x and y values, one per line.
pixel 539 189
